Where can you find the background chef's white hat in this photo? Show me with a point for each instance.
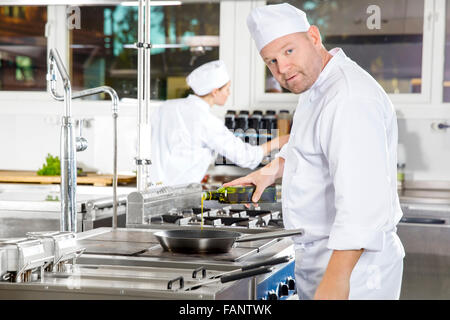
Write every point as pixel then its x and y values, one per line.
pixel 207 77
pixel 274 21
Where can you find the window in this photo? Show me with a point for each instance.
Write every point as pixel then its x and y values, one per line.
pixel 102 50
pixel 391 51
pixel 23 48
pixel 446 95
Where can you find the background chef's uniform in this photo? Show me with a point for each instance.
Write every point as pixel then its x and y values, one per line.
pixel 185 135
pixel 339 181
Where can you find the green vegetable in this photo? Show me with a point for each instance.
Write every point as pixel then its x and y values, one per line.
pixel 52 198
pixel 52 167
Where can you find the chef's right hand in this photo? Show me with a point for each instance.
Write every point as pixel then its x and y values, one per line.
pixel 261 178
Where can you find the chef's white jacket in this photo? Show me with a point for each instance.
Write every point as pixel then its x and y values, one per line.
pixel 339 179
pixel 185 137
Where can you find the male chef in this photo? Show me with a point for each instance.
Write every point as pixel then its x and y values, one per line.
pixel 339 166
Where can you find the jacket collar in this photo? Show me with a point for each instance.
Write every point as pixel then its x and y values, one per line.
pixel 199 102
pixel 338 55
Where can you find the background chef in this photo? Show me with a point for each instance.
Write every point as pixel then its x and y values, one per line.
pixel 185 134
pixel 339 166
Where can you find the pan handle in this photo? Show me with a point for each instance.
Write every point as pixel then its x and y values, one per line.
pixel 245 274
pixel 271 235
pixel 270 262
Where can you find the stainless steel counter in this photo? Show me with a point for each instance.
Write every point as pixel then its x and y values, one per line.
pixel 425 234
pixel 122 282
pixel 31 207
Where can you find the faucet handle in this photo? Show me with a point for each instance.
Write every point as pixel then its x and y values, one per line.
pixel 80 127
pixel 81 142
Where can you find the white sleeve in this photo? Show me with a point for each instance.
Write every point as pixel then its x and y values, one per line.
pixel 353 138
pixel 283 151
pixel 224 142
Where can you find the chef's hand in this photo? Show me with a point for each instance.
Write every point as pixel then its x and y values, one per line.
pixel 261 178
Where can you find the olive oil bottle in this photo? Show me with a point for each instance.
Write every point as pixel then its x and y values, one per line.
pixel 240 195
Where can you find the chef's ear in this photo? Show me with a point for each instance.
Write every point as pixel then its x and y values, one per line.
pixel 314 34
pixel 214 92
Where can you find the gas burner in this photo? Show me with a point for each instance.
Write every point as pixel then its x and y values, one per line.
pixel 251 213
pixel 174 216
pixel 276 223
pixel 171 218
pixel 187 212
pixel 227 221
pixel 221 217
pixel 199 210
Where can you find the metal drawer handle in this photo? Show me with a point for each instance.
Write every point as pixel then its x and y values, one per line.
pixel 423 220
pixel 181 279
pixel 202 269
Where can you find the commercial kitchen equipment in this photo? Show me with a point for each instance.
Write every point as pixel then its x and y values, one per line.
pixel 143 47
pixel 179 207
pixel 21 257
pixel 139 247
pixel 69 146
pixel 425 233
pixel 131 264
pixel 36 207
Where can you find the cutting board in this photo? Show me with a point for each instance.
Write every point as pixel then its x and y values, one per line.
pixel 91 178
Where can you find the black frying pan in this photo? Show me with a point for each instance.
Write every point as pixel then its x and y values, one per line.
pixel 212 241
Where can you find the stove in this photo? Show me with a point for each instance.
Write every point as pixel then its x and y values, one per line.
pixel 139 247
pixel 181 206
pixel 130 262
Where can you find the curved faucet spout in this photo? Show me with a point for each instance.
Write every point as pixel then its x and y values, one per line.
pixel 68 144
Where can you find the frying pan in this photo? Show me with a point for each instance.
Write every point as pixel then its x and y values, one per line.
pixel 212 241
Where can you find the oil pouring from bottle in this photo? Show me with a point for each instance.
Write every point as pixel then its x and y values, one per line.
pixel 201 211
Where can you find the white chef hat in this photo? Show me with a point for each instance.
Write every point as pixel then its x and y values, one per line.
pixel 207 77
pixel 274 21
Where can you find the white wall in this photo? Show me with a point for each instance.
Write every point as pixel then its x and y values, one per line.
pixel 29 132
pixel 426 150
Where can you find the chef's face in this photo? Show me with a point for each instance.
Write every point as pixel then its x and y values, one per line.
pixel 295 59
pixel 221 95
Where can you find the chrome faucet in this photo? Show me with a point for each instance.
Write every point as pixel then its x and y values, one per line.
pixel 70 145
